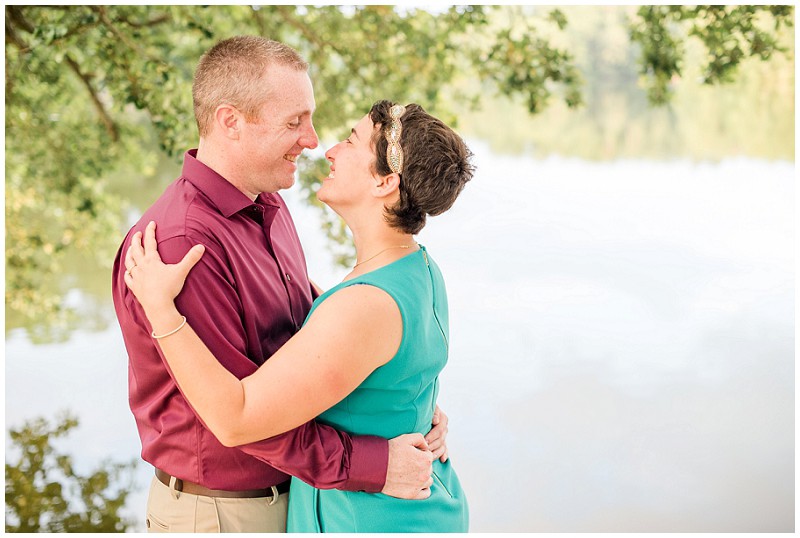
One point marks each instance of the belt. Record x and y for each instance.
(197, 489)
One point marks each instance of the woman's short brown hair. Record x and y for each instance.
(232, 72)
(436, 165)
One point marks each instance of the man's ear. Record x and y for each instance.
(387, 185)
(228, 120)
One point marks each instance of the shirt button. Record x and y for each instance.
(288, 278)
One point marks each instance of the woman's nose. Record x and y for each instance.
(331, 153)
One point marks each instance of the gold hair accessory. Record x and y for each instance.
(394, 153)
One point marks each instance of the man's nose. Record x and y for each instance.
(309, 139)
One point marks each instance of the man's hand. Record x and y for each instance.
(410, 467)
(436, 438)
(319, 291)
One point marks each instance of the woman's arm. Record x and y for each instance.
(350, 334)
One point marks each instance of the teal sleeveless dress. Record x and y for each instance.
(397, 398)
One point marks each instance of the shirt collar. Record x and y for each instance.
(228, 199)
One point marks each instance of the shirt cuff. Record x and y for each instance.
(369, 463)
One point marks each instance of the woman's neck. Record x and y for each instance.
(377, 246)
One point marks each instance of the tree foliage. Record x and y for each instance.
(752, 116)
(90, 90)
(730, 34)
(44, 493)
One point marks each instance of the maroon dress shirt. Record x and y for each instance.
(245, 298)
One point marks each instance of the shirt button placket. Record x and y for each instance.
(297, 326)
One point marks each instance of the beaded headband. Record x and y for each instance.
(394, 153)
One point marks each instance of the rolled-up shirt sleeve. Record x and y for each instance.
(326, 458)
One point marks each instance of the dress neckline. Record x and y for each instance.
(420, 249)
(381, 268)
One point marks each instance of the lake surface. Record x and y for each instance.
(622, 354)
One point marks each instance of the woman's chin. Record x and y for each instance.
(321, 196)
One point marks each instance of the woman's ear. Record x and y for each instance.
(228, 120)
(386, 185)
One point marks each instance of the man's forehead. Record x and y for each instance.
(290, 92)
(300, 110)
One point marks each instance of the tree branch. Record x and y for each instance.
(15, 14)
(164, 17)
(262, 29)
(313, 38)
(304, 30)
(14, 20)
(111, 127)
(101, 12)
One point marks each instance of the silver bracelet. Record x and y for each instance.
(173, 331)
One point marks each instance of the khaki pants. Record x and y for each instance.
(175, 511)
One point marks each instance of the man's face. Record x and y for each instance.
(271, 144)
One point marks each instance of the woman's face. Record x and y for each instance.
(352, 160)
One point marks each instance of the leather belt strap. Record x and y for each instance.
(196, 489)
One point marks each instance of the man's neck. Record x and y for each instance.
(215, 158)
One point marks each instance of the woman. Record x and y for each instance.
(368, 356)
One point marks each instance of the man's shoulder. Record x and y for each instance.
(182, 210)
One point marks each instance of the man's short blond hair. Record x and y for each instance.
(232, 72)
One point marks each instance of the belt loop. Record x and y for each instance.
(274, 498)
(175, 493)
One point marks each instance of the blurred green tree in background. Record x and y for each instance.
(44, 493)
(750, 115)
(95, 95)
(730, 34)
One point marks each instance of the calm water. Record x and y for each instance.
(622, 347)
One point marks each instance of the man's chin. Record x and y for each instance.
(284, 183)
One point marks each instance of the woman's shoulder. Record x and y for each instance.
(366, 309)
(397, 280)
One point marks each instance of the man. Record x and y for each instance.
(253, 103)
